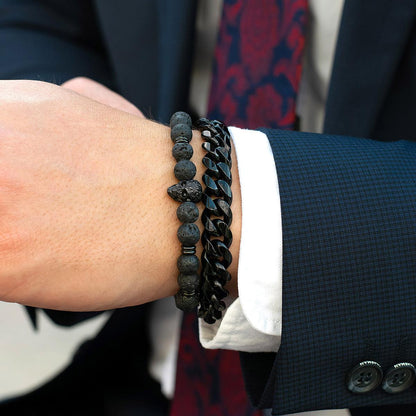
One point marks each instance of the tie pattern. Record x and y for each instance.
(208, 382)
(256, 77)
(258, 63)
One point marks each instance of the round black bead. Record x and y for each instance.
(180, 117)
(184, 170)
(188, 283)
(188, 264)
(181, 131)
(187, 212)
(188, 234)
(182, 151)
(185, 302)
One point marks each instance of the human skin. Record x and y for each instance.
(98, 92)
(85, 220)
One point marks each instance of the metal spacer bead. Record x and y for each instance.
(188, 250)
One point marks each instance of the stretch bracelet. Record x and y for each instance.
(216, 218)
(188, 192)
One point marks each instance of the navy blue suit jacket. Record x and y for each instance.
(349, 229)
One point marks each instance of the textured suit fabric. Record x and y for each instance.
(348, 285)
(348, 266)
(373, 88)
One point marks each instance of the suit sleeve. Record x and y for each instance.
(349, 288)
(53, 41)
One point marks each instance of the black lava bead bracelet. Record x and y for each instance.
(189, 192)
(207, 291)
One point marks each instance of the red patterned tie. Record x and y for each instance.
(258, 63)
(255, 81)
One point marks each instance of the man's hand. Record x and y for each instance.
(85, 220)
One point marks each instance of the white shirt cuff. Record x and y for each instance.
(253, 322)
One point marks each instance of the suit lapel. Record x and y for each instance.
(371, 41)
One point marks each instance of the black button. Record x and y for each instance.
(399, 378)
(364, 377)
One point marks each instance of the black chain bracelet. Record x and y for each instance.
(216, 219)
(188, 191)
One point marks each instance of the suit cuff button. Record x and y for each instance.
(364, 377)
(399, 378)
